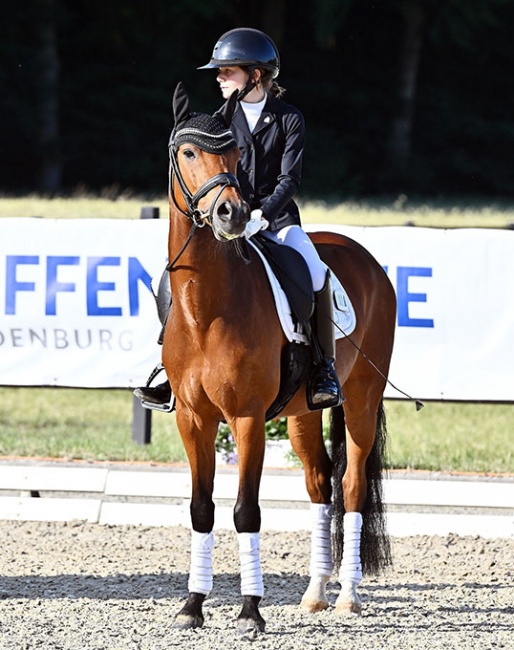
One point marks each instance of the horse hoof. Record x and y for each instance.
(249, 622)
(186, 622)
(190, 616)
(249, 628)
(313, 606)
(349, 609)
(348, 601)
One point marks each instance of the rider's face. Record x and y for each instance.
(230, 79)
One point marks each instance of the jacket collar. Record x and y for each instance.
(266, 119)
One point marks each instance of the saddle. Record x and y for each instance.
(292, 272)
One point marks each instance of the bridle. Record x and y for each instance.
(198, 217)
(221, 180)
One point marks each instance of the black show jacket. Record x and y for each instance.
(270, 168)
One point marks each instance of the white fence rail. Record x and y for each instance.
(161, 498)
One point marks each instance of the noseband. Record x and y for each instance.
(203, 141)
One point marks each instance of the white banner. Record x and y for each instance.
(455, 322)
(76, 305)
(77, 310)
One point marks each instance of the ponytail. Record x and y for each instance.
(269, 84)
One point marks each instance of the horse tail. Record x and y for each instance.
(375, 546)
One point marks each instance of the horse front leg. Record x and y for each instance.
(200, 448)
(306, 437)
(249, 436)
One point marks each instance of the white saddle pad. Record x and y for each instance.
(344, 314)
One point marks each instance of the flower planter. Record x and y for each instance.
(277, 453)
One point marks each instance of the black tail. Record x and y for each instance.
(375, 546)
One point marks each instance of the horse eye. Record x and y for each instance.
(189, 154)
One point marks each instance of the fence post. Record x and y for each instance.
(141, 417)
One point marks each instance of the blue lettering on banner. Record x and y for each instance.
(94, 286)
(137, 275)
(12, 286)
(53, 286)
(136, 272)
(404, 297)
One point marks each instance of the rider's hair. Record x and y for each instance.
(268, 83)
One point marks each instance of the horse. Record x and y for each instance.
(221, 351)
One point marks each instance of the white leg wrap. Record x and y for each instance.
(251, 573)
(321, 546)
(351, 569)
(200, 573)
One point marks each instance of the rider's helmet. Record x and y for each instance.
(245, 47)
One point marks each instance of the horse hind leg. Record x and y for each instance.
(321, 563)
(361, 542)
(306, 437)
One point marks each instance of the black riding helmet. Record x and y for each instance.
(246, 48)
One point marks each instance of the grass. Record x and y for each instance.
(399, 212)
(451, 437)
(96, 424)
(72, 424)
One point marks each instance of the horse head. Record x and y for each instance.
(203, 161)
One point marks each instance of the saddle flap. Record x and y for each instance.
(293, 275)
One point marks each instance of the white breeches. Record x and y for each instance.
(295, 237)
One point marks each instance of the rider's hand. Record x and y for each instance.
(257, 222)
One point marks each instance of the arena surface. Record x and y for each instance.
(78, 586)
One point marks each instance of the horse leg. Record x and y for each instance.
(360, 436)
(307, 441)
(199, 445)
(249, 435)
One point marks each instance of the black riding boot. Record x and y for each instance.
(324, 389)
(158, 398)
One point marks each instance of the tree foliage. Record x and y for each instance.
(430, 116)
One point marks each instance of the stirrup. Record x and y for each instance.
(165, 407)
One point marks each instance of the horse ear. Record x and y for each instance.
(181, 110)
(227, 111)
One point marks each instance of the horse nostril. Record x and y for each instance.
(225, 211)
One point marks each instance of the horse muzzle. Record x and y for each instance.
(229, 219)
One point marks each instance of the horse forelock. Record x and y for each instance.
(206, 132)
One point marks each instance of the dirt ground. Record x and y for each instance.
(81, 586)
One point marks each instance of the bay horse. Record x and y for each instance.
(221, 351)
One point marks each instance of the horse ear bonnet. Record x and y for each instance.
(208, 133)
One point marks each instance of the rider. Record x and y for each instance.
(270, 135)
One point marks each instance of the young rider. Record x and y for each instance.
(270, 135)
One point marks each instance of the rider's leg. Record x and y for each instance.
(159, 397)
(324, 390)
